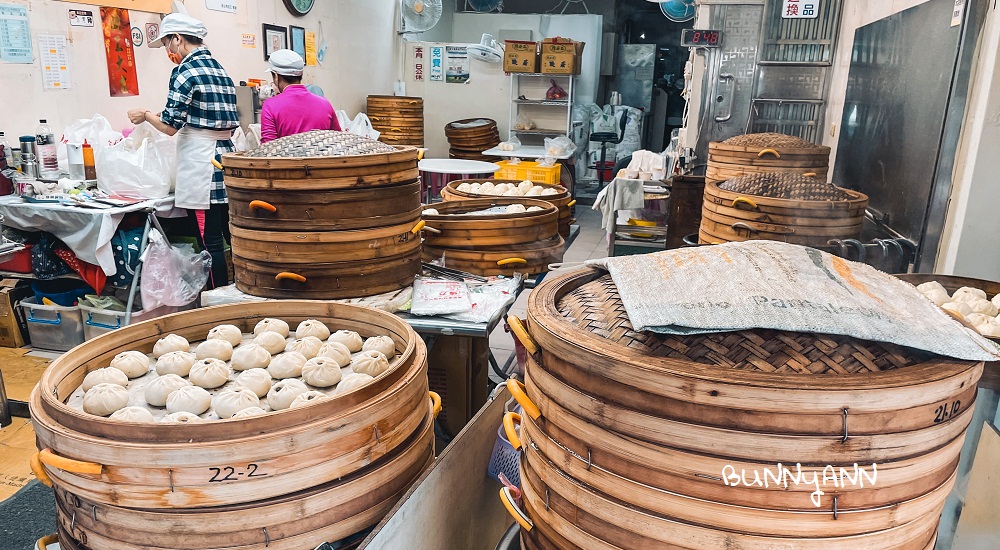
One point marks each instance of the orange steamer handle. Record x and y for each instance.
(52, 460)
(510, 421)
(517, 390)
(519, 516)
(435, 403)
(289, 276)
(263, 205)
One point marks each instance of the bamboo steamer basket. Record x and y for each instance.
(326, 281)
(767, 152)
(473, 232)
(317, 174)
(628, 435)
(399, 119)
(323, 210)
(328, 512)
(729, 216)
(729, 380)
(563, 201)
(326, 264)
(530, 258)
(172, 466)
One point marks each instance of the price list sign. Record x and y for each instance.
(800, 9)
(15, 35)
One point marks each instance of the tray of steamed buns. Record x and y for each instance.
(974, 301)
(232, 374)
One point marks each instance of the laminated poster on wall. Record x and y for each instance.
(122, 79)
(437, 64)
(458, 65)
(15, 34)
(54, 61)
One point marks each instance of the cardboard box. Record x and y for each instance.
(13, 325)
(520, 56)
(561, 56)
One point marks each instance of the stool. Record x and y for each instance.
(605, 138)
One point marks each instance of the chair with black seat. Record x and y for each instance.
(605, 138)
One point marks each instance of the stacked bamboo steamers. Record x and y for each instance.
(496, 236)
(757, 439)
(773, 187)
(399, 119)
(285, 480)
(324, 215)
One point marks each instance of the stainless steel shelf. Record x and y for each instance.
(546, 102)
(542, 132)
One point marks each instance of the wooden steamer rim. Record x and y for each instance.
(620, 458)
(330, 511)
(66, 373)
(715, 386)
(321, 173)
(748, 520)
(492, 229)
(310, 247)
(569, 510)
(484, 260)
(844, 208)
(755, 151)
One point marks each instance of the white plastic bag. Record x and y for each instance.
(362, 126)
(143, 165)
(343, 119)
(559, 146)
(171, 276)
(96, 131)
(239, 140)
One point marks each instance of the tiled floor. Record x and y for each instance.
(589, 244)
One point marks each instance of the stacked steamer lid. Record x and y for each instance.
(289, 479)
(400, 119)
(324, 215)
(780, 206)
(766, 152)
(556, 195)
(495, 236)
(469, 137)
(756, 439)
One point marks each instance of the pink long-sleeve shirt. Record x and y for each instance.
(293, 111)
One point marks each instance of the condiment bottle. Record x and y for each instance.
(45, 144)
(89, 168)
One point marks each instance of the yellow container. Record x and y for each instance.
(528, 170)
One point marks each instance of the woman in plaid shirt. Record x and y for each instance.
(201, 110)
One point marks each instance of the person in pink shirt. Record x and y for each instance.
(295, 109)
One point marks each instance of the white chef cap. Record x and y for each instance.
(179, 23)
(286, 63)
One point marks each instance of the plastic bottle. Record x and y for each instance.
(45, 141)
(89, 168)
(6, 161)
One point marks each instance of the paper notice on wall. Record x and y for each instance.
(81, 18)
(122, 78)
(957, 13)
(54, 60)
(310, 49)
(15, 34)
(458, 64)
(437, 64)
(419, 63)
(249, 40)
(227, 6)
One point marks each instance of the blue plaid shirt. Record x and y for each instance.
(202, 95)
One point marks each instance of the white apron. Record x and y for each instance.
(195, 152)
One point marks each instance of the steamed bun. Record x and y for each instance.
(169, 343)
(321, 372)
(106, 375)
(233, 400)
(271, 325)
(104, 399)
(250, 356)
(307, 346)
(371, 362)
(307, 398)
(133, 363)
(282, 394)
(273, 342)
(159, 390)
(258, 380)
(349, 338)
(214, 349)
(383, 344)
(175, 362)
(229, 333)
(210, 373)
(189, 399)
(287, 365)
(312, 327)
(132, 414)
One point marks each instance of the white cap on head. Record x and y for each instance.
(286, 63)
(179, 23)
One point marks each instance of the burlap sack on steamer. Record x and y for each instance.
(767, 284)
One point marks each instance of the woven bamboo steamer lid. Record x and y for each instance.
(877, 379)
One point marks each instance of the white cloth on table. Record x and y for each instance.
(620, 194)
(86, 231)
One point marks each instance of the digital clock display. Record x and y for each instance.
(701, 38)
